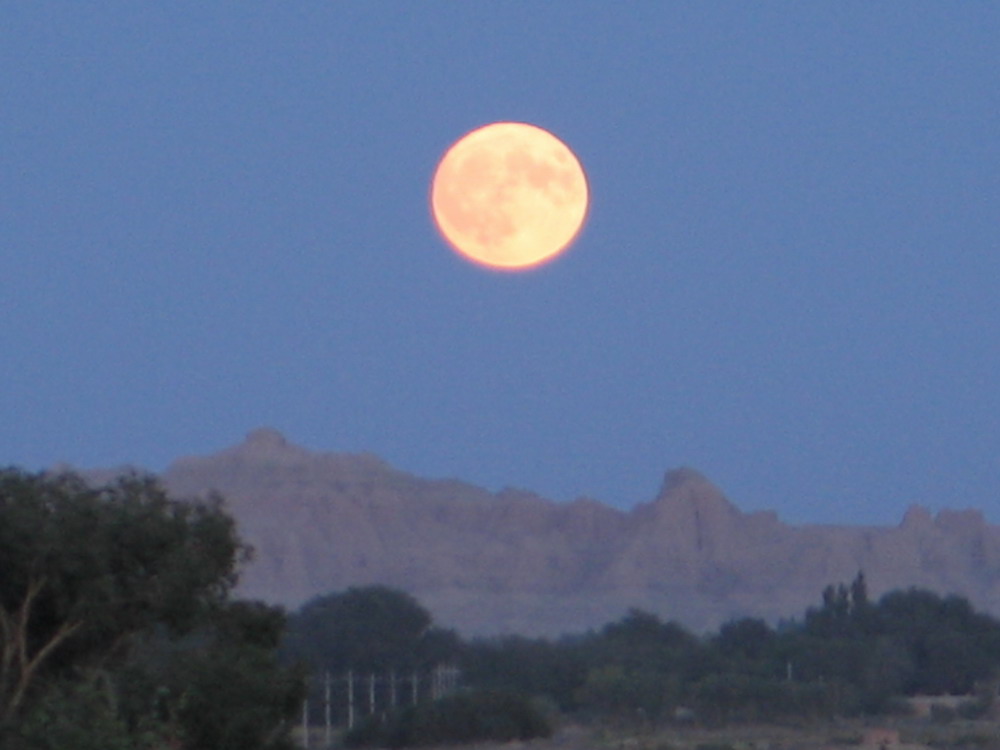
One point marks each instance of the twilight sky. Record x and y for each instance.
(214, 216)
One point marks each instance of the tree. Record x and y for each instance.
(229, 692)
(103, 591)
(637, 665)
(747, 638)
(641, 640)
(372, 629)
(529, 666)
(949, 644)
(84, 569)
(859, 592)
(77, 716)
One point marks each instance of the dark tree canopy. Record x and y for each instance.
(84, 568)
(849, 655)
(747, 638)
(95, 580)
(372, 628)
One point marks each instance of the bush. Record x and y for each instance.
(464, 717)
(973, 709)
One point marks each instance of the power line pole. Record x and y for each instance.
(350, 699)
(305, 722)
(326, 709)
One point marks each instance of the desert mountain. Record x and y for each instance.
(512, 561)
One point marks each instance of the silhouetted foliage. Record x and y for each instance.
(848, 656)
(528, 666)
(104, 593)
(368, 629)
(223, 688)
(748, 640)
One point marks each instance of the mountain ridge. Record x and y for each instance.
(514, 562)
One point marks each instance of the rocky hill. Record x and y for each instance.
(515, 562)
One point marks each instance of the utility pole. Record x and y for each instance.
(305, 722)
(350, 699)
(326, 709)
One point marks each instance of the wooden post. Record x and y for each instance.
(350, 699)
(305, 722)
(328, 735)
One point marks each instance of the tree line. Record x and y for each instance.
(847, 655)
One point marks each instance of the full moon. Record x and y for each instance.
(509, 196)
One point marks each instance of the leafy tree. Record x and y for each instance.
(85, 569)
(115, 612)
(748, 639)
(79, 716)
(638, 666)
(641, 640)
(950, 646)
(230, 692)
(529, 666)
(859, 592)
(373, 628)
(219, 688)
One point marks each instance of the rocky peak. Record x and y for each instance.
(266, 438)
(237, 470)
(265, 445)
(685, 491)
(690, 515)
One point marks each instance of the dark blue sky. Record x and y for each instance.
(213, 216)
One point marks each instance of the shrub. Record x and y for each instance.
(972, 709)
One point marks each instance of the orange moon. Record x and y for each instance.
(509, 196)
